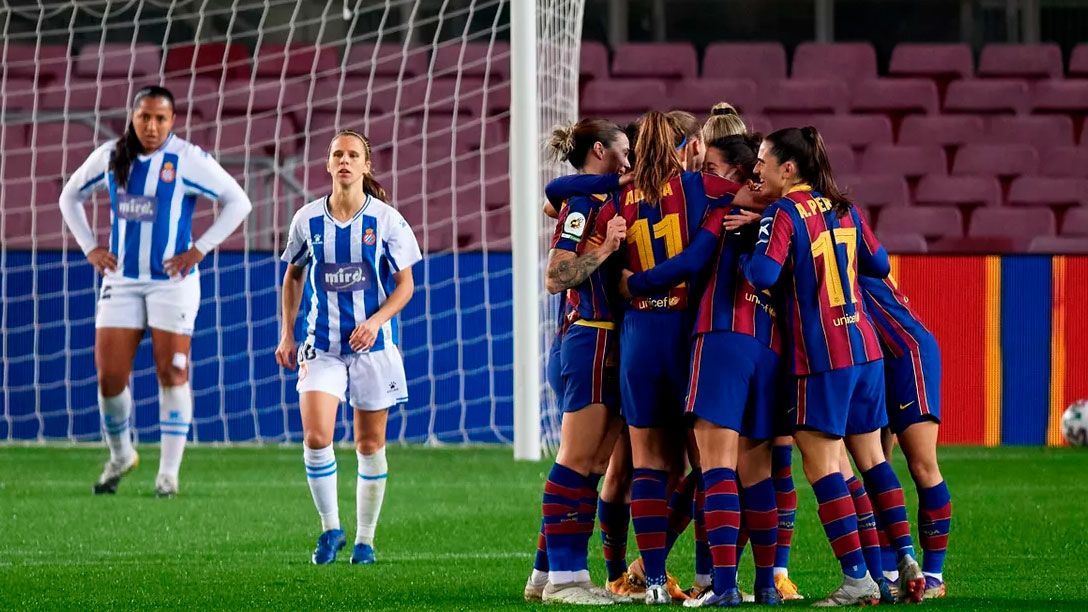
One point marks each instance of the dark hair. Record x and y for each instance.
(632, 136)
(741, 151)
(805, 147)
(128, 145)
(574, 141)
(656, 157)
(370, 184)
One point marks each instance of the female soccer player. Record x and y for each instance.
(150, 277)
(724, 121)
(836, 353)
(359, 253)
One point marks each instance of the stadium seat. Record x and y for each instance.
(473, 59)
(1059, 245)
(1075, 222)
(805, 96)
(1064, 161)
(207, 59)
(978, 245)
(908, 243)
(987, 96)
(904, 160)
(1060, 95)
(1078, 61)
(61, 148)
(47, 63)
(850, 61)
(759, 61)
(655, 60)
(941, 130)
(928, 222)
(999, 160)
(116, 60)
(86, 94)
(201, 93)
(944, 190)
(1028, 61)
(258, 135)
(842, 158)
(593, 60)
(390, 59)
(264, 94)
(758, 123)
(1048, 191)
(300, 60)
(895, 96)
(875, 190)
(699, 95)
(608, 97)
(1015, 223)
(18, 94)
(936, 61)
(1039, 131)
(853, 130)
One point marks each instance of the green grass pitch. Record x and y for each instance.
(457, 532)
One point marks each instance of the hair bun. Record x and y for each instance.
(721, 109)
(809, 133)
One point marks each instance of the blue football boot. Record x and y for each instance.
(362, 554)
(328, 544)
(730, 599)
(768, 597)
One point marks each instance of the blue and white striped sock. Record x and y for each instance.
(116, 411)
(175, 415)
(369, 493)
(321, 476)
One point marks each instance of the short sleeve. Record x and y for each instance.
(297, 251)
(401, 248)
(571, 228)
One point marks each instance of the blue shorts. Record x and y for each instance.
(913, 387)
(555, 367)
(842, 402)
(589, 369)
(735, 383)
(654, 350)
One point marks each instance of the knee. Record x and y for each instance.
(317, 439)
(111, 385)
(369, 446)
(925, 471)
(172, 371)
(577, 460)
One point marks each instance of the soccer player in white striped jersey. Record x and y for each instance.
(150, 273)
(357, 253)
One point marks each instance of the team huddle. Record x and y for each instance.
(724, 300)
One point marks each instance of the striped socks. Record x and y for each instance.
(704, 562)
(116, 412)
(887, 497)
(680, 508)
(175, 415)
(786, 500)
(934, 523)
(565, 530)
(722, 512)
(650, 519)
(613, 517)
(369, 494)
(761, 516)
(321, 476)
(840, 523)
(867, 530)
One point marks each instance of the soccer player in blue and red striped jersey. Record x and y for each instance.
(912, 373)
(815, 240)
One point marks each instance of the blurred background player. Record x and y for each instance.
(359, 253)
(150, 278)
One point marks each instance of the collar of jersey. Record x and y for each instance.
(328, 213)
(800, 187)
(145, 157)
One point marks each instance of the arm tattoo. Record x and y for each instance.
(571, 272)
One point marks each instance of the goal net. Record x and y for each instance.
(263, 86)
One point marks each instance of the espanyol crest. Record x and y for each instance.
(369, 237)
(166, 175)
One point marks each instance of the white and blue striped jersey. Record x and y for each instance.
(351, 267)
(151, 217)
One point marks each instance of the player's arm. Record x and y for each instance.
(297, 256)
(872, 257)
(90, 177)
(685, 264)
(763, 267)
(402, 252)
(566, 268)
(566, 187)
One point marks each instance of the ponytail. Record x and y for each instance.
(656, 157)
(723, 121)
(371, 186)
(805, 147)
(128, 145)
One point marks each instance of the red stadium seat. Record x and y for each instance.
(928, 222)
(1076, 222)
(47, 63)
(998, 160)
(257, 135)
(908, 243)
(851, 62)
(264, 94)
(1060, 95)
(1029, 61)
(655, 60)
(61, 148)
(390, 59)
(938, 61)
(274, 60)
(201, 93)
(608, 97)
(593, 60)
(18, 94)
(941, 130)
(1059, 245)
(1048, 191)
(1064, 161)
(805, 96)
(1078, 61)
(875, 189)
(978, 245)
(90, 94)
(479, 58)
(115, 60)
(1017, 224)
(758, 123)
(943, 190)
(699, 95)
(853, 130)
(987, 96)
(760, 61)
(208, 60)
(843, 160)
(904, 160)
(895, 96)
(1040, 131)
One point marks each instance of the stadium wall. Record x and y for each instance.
(1013, 332)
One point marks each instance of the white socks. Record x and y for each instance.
(369, 493)
(116, 412)
(321, 475)
(175, 415)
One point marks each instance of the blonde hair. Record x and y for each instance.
(656, 157)
(723, 121)
(370, 184)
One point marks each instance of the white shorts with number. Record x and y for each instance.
(169, 305)
(373, 381)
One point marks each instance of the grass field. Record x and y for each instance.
(457, 532)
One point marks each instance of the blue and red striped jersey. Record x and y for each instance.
(597, 298)
(825, 318)
(901, 332)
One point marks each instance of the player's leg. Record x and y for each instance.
(786, 500)
(654, 450)
(919, 443)
(760, 512)
(868, 531)
(614, 512)
(718, 455)
(534, 586)
(372, 476)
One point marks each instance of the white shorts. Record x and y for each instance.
(373, 381)
(169, 305)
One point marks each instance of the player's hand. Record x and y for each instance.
(550, 211)
(627, 178)
(182, 264)
(625, 290)
(744, 217)
(365, 335)
(615, 234)
(102, 260)
(287, 353)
